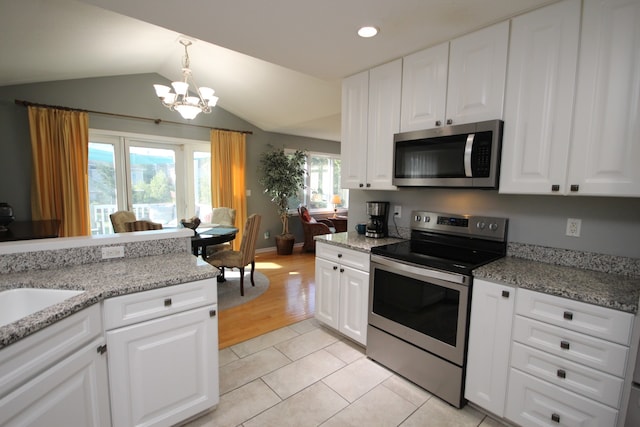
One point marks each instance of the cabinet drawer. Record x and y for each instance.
(533, 402)
(348, 257)
(593, 352)
(141, 306)
(601, 322)
(588, 382)
(31, 355)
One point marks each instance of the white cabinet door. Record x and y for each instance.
(492, 307)
(477, 70)
(354, 302)
(165, 370)
(383, 123)
(424, 88)
(327, 292)
(543, 54)
(72, 393)
(355, 104)
(606, 137)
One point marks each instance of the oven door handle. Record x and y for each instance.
(468, 151)
(423, 272)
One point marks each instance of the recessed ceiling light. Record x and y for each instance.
(367, 32)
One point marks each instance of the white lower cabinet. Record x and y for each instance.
(492, 308)
(163, 367)
(342, 290)
(72, 393)
(568, 362)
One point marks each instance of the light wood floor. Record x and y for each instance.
(289, 299)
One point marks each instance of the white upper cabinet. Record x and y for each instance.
(370, 118)
(543, 56)
(457, 82)
(424, 88)
(477, 71)
(574, 129)
(606, 137)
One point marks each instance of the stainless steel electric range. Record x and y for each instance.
(420, 298)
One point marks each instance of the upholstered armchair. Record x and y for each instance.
(312, 228)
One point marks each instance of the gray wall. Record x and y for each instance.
(131, 95)
(609, 225)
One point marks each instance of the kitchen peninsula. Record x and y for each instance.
(153, 305)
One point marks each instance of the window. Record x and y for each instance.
(322, 184)
(161, 179)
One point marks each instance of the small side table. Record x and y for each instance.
(340, 223)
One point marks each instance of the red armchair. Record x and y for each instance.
(313, 227)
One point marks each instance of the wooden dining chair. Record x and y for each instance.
(142, 225)
(119, 218)
(225, 217)
(241, 258)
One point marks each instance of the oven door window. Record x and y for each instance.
(425, 307)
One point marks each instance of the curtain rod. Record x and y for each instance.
(126, 116)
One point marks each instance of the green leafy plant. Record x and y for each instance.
(283, 177)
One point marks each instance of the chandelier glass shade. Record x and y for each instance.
(180, 100)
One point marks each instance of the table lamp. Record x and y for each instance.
(335, 200)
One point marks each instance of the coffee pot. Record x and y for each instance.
(377, 226)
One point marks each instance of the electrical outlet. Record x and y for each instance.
(573, 227)
(267, 234)
(112, 252)
(397, 211)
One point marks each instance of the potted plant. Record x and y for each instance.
(283, 177)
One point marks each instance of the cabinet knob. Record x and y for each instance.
(368, 185)
(575, 188)
(555, 188)
(342, 270)
(568, 315)
(438, 122)
(339, 255)
(505, 294)
(555, 418)
(561, 373)
(335, 267)
(361, 185)
(449, 121)
(212, 313)
(102, 349)
(564, 345)
(167, 302)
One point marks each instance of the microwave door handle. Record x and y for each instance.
(468, 150)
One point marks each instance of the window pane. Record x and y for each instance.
(102, 187)
(202, 184)
(153, 184)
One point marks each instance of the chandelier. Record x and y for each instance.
(188, 106)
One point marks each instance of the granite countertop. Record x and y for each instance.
(595, 287)
(353, 240)
(99, 281)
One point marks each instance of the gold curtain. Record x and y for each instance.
(228, 188)
(59, 177)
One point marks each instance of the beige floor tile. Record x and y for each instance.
(408, 390)
(490, 422)
(305, 326)
(310, 407)
(261, 342)
(305, 344)
(300, 374)
(379, 407)
(357, 378)
(226, 356)
(346, 351)
(238, 406)
(243, 371)
(436, 412)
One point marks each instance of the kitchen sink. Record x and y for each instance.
(18, 303)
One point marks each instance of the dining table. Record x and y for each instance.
(210, 236)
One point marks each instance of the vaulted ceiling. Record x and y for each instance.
(276, 64)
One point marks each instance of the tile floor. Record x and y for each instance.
(307, 375)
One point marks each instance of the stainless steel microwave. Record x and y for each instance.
(463, 156)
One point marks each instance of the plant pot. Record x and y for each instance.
(284, 244)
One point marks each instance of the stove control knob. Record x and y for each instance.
(427, 219)
(493, 226)
(481, 225)
(418, 218)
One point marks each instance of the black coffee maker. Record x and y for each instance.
(377, 226)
